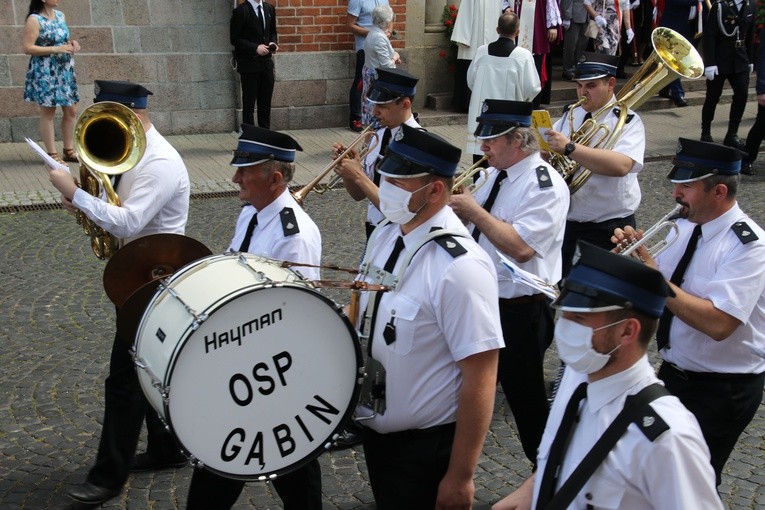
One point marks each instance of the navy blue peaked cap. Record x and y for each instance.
(414, 152)
(697, 160)
(391, 84)
(596, 65)
(258, 144)
(601, 280)
(499, 116)
(130, 94)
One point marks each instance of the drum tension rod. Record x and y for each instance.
(198, 319)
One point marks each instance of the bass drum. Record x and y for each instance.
(253, 370)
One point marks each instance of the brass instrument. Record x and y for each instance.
(466, 180)
(110, 140)
(369, 140)
(673, 57)
(663, 228)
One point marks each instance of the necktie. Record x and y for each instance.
(587, 116)
(389, 265)
(248, 234)
(558, 447)
(662, 334)
(259, 14)
(381, 154)
(501, 176)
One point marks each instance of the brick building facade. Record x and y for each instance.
(180, 50)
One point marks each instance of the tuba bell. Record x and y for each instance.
(110, 140)
(673, 57)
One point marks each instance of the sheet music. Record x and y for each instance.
(524, 277)
(45, 156)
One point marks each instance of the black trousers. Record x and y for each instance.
(257, 86)
(354, 95)
(461, 97)
(598, 234)
(739, 82)
(405, 468)
(528, 331)
(756, 134)
(724, 404)
(299, 489)
(124, 412)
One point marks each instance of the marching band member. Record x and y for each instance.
(523, 215)
(271, 224)
(712, 333)
(392, 94)
(154, 198)
(611, 196)
(436, 336)
(657, 458)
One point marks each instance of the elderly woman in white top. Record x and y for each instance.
(378, 52)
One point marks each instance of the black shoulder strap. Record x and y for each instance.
(634, 410)
(289, 222)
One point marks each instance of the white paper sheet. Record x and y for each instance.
(45, 156)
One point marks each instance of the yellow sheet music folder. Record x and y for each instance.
(540, 121)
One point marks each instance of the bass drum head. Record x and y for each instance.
(265, 383)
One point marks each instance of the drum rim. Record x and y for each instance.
(324, 444)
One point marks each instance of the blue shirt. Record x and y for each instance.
(362, 9)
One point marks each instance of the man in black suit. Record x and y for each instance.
(253, 35)
(728, 41)
(680, 16)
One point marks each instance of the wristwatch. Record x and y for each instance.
(570, 147)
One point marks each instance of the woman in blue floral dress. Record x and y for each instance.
(50, 78)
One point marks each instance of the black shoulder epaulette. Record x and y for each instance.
(451, 245)
(630, 116)
(651, 424)
(289, 223)
(743, 232)
(543, 177)
(568, 106)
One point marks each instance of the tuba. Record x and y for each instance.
(673, 57)
(110, 140)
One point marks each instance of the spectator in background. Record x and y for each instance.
(359, 22)
(757, 131)
(378, 52)
(50, 80)
(253, 35)
(473, 28)
(728, 43)
(538, 38)
(500, 70)
(608, 15)
(678, 15)
(574, 20)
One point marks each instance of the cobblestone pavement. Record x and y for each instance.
(56, 327)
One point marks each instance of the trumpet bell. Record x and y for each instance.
(110, 138)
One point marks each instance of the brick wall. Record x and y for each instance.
(320, 25)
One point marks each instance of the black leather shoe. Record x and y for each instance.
(680, 101)
(747, 168)
(735, 142)
(706, 137)
(148, 462)
(665, 94)
(92, 494)
(347, 439)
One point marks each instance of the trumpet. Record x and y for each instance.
(465, 181)
(664, 227)
(369, 140)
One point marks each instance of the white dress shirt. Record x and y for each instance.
(602, 197)
(673, 471)
(537, 214)
(444, 310)
(732, 275)
(154, 195)
(268, 239)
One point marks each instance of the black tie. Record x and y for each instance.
(388, 267)
(587, 116)
(259, 14)
(501, 176)
(248, 235)
(558, 447)
(381, 154)
(662, 334)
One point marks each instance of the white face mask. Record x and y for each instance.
(575, 349)
(394, 202)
